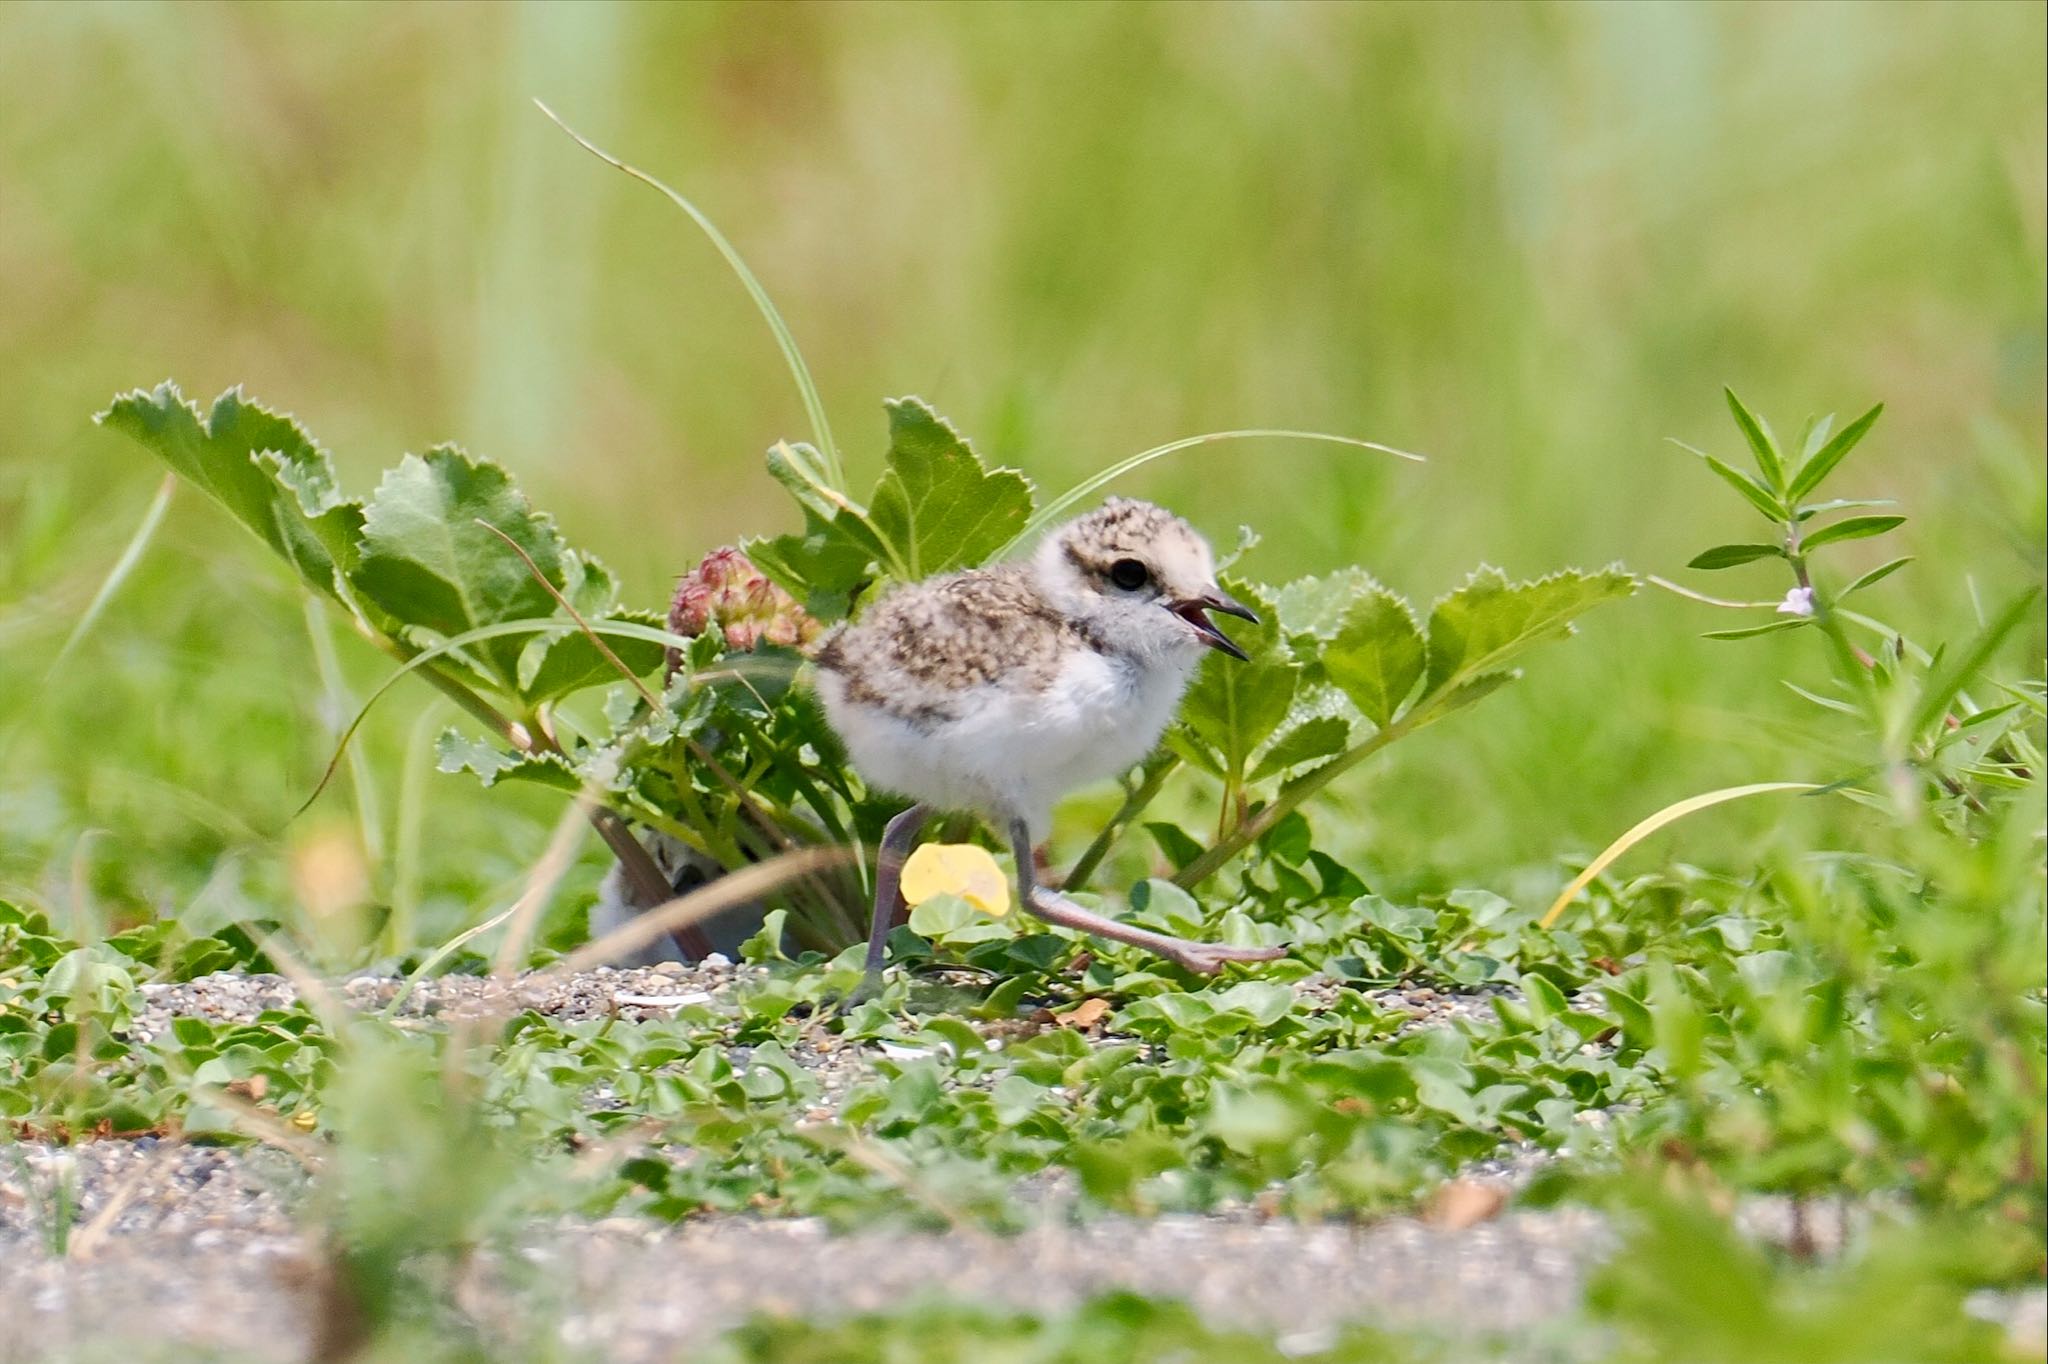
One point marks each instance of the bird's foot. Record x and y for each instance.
(1207, 958)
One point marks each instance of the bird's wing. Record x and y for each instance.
(926, 644)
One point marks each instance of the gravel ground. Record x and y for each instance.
(181, 1248)
(177, 1249)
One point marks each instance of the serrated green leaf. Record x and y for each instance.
(1752, 631)
(1377, 654)
(1323, 736)
(822, 566)
(1876, 575)
(1489, 620)
(258, 464)
(1314, 607)
(455, 751)
(1194, 751)
(1768, 460)
(1728, 556)
(1475, 689)
(1852, 528)
(428, 563)
(1828, 456)
(937, 507)
(1235, 704)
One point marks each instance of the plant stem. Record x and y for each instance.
(648, 886)
(1295, 792)
(1133, 806)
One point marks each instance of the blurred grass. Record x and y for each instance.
(1530, 241)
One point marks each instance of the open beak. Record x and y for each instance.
(1194, 610)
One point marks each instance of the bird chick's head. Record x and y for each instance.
(1141, 576)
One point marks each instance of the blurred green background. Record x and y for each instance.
(1531, 241)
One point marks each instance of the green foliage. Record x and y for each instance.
(1925, 737)
(1376, 655)
(445, 548)
(261, 467)
(1118, 1326)
(936, 507)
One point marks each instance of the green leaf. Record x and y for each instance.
(1315, 607)
(1377, 653)
(428, 562)
(1178, 845)
(1876, 575)
(937, 507)
(1843, 504)
(1824, 702)
(1234, 704)
(1959, 671)
(1752, 491)
(258, 464)
(822, 566)
(1475, 689)
(1824, 461)
(1489, 620)
(456, 752)
(1853, 528)
(1815, 435)
(1760, 443)
(1751, 631)
(565, 659)
(1728, 556)
(1323, 736)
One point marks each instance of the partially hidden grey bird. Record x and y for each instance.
(997, 690)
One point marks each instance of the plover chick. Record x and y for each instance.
(998, 690)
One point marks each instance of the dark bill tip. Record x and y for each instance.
(1195, 612)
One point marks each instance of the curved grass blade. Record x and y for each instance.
(1668, 815)
(531, 626)
(118, 574)
(1058, 507)
(1956, 672)
(821, 430)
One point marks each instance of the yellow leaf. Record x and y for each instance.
(961, 869)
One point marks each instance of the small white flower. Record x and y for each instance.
(1798, 602)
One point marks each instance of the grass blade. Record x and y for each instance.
(118, 574)
(1670, 814)
(533, 625)
(1053, 510)
(1955, 674)
(821, 430)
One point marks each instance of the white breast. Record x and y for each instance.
(1013, 752)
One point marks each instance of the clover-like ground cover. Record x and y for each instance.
(282, 1101)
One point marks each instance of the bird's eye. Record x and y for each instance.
(1129, 574)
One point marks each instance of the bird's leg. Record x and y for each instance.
(1200, 957)
(895, 849)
